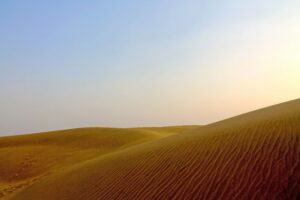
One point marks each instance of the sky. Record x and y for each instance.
(70, 63)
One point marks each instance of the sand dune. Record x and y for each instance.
(26, 159)
(251, 156)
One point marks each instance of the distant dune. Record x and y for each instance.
(251, 156)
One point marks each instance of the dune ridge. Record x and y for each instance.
(251, 156)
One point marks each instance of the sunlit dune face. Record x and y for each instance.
(251, 156)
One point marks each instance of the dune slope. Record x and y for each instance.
(251, 156)
(26, 159)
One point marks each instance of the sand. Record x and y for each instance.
(251, 156)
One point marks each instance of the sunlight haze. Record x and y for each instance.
(66, 64)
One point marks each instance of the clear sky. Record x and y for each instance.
(71, 63)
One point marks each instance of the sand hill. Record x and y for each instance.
(251, 156)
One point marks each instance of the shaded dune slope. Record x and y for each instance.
(252, 156)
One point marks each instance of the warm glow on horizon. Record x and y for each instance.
(126, 64)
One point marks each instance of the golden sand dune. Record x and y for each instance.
(28, 158)
(251, 156)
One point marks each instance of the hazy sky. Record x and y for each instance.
(71, 63)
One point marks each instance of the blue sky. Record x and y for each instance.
(67, 64)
